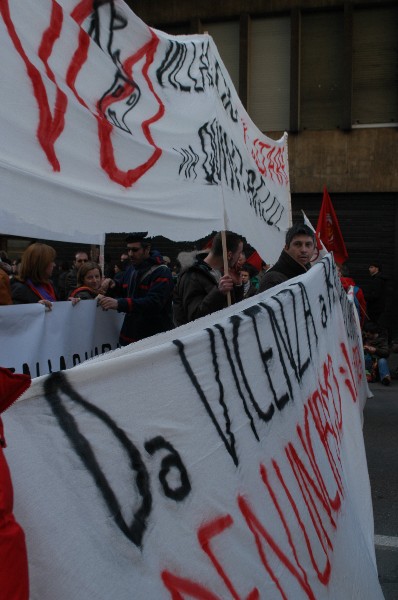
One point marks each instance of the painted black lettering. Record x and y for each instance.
(263, 415)
(266, 357)
(228, 437)
(171, 461)
(134, 531)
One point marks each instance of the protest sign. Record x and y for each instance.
(38, 342)
(111, 123)
(224, 459)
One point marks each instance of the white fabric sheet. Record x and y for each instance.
(222, 459)
(111, 126)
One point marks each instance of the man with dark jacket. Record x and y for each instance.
(203, 288)
(146, 292)
(294, 259)
(376, 294)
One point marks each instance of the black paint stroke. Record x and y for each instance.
(53, 387)
(172, 460)
(234, 374)
(222, 161)
(230, 441)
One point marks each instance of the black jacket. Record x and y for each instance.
(285, 268)
(196, 294)
(376, 297)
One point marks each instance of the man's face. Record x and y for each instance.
(245, 276)
(373, 270)
(80, 258)
(233, 257)
(301, 249)
(137, 253)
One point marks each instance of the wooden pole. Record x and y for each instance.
(225, 260)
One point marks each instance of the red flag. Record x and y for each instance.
(255, 260)
(328, 230)
(11, 387)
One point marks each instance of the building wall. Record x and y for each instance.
(363, 160)
(346, 158)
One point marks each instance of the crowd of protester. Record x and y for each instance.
(156, 295)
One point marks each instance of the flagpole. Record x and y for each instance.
(225, 258)
(223, 236)
(290, 216)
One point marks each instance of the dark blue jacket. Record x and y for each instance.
(147, 300)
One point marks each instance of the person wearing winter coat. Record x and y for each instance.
(294, 259)
(376, 349)
(376, 294)
(145, 292)
(33, 283)
(203, 287)
(359, 299)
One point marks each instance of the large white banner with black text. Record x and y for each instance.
(108, 125)
(224, 459)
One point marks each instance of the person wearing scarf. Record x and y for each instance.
(90, 282)
(33, 283)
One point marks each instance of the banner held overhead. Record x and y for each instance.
(110, 123)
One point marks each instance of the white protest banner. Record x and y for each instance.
(224, 459)
(39, 342)
(110, 123)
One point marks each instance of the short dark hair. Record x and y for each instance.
(250, 269)
(376, 264)
(371, 327)
(296, 230)
(139, 236)
(232, 239)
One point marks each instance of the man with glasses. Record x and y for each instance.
(81, 257)
(145, 292)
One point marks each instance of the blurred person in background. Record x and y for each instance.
(33, 283)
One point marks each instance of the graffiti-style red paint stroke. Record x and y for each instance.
(264, 477)
(327, 434)
(105, 128)
(270, 161)
(205, 534)
(349, 381)
(49, 127)
(260, 532)
(178, 586)
(314, 495)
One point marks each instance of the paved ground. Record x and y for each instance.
(381, 443)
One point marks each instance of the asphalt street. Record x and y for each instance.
(381, 444)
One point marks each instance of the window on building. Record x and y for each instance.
(269, 73)
(375, 66)
(226, 38)
(322, 70)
